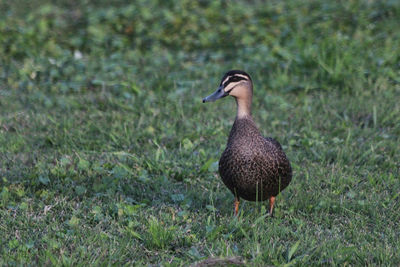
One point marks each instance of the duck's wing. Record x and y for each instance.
(274, 142)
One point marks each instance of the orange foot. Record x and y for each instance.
(236, 206)
(271, 205)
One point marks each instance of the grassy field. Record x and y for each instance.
(108, 156)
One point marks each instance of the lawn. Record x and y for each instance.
(109, 157)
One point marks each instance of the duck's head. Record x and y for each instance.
(236, 83)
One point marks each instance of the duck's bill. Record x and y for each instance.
(220, 93)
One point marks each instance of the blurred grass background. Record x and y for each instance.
(108, 156)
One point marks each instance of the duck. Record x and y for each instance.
(253, 167)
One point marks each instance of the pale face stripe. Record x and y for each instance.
(231, 85)
(241, 75)
(226, 79)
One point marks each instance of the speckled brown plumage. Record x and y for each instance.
(252, 167)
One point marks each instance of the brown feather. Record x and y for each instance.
(253, 167)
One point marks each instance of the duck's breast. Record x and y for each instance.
(255, 166)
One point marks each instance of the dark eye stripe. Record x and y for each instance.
(233, 79)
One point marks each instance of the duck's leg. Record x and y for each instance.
(237, 201)
(271, 204)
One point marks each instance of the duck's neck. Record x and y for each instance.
(243, 128)
(243, 107)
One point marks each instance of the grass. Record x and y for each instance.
(108, 156)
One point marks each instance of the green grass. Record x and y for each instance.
(108, 156)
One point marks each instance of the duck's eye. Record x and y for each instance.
(231, 80)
